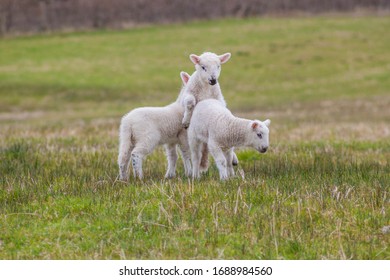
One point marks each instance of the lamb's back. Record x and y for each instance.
(166, 121)
(210, 115)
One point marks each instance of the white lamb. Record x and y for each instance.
(143, 129)
(203, 83)
(214, 124)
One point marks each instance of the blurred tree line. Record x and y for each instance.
(25, 16)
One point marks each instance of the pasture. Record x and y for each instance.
(322, 191)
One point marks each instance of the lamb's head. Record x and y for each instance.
(208, 65)
(259, 135)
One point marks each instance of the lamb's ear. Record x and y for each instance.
(254, 125)
(184, 77)
(195, 59)
(224, 57)
(267, 122)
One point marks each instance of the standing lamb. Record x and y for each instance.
(143, 129)
(214, 124)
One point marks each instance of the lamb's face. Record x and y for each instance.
(209, 71)
(260, 135)
(208, 65)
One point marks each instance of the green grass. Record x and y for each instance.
(321, 192)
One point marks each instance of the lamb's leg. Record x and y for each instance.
(186, 157)
(204, 162)
(123, 162)
(185, 153)
(171, 153)
(220, 160)
(196, 153)
(138, 154)
(189, 104)
(229, 155)
(136, 158)
(125, 149)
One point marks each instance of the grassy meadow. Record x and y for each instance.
(322, 191)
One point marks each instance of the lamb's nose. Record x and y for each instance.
(264, 149)
(212, 81)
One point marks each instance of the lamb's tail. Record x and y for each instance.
(125, 148)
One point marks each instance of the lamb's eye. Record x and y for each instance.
(204, 68)
(260, 135)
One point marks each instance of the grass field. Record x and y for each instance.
(321, 192)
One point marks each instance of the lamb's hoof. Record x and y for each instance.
(224, 177)
(235, 159)
(169, 176)
(204, 169)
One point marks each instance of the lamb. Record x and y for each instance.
(203, 83)
(143, 129)
(214, 124)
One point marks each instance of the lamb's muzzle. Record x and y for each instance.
(263, 150)
(212, 81)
